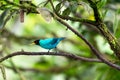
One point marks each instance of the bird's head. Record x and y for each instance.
(36, 42)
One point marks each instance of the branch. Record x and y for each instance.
(103, 29)
(30, 8)
(77, 19)
(114, 44)
(73, 30)
(72, 18)
(96, 12)
(16, 69)
(53, 69)
(98, 54)
(108, 37)
(71, 56)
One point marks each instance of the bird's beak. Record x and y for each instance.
(32, 43)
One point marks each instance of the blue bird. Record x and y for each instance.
(49, 43)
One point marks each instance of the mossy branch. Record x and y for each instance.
(104, 30)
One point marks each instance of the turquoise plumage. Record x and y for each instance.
(49, 43)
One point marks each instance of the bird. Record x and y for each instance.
(49, 43)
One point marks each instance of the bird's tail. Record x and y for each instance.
(62, 38)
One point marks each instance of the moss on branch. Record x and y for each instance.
(104, 30)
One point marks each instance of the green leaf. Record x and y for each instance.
(115, 25)
(2, 18)
(16, 1)
(101, 3)
(66, 12)
(58, 7)
(73, 6)
(110, 73)
(104, 14)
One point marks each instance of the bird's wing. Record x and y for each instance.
(54, 41)
(48, 41)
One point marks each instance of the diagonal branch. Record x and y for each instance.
(98, 54)
(114, 44)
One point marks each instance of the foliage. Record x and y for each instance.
(91, 31)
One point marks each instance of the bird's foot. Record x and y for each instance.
(48, 51)
(56, 51)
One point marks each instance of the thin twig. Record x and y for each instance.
(53, 69)
(16, 69)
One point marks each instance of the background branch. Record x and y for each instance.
(53, 69)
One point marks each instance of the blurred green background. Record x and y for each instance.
(18, 36)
